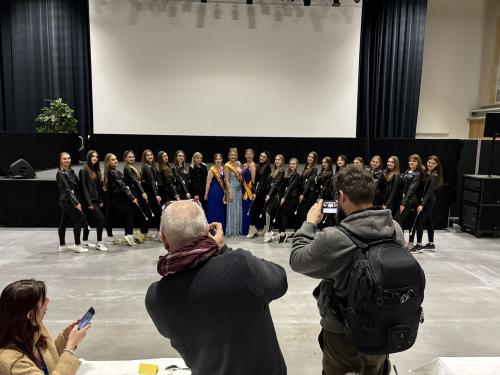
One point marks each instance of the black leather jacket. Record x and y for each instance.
(150, 179)
(133, 181)
(276, 183)
(167, 186)
(117, 185)
(198, 179)
(392, 190)
(291, 186)
(324, 186)
(182, 182)
(262, 180)
(92, 189)
(308, 182)
(68, 185)
(430, 183)
(410, 181)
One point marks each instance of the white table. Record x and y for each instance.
(460, 366)
(131, 367)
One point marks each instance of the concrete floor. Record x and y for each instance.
(462, 302)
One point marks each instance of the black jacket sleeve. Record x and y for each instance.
(277, 183)
(308, 185)
(430, 188)
(412, 189)
(263, 181)
(293, 186)
(168, 182)
(64, 185)
(149, 179)
(120, 183)
(181, 182)
(326, 191)
(85, 180)
(135, 183)
(395, 184)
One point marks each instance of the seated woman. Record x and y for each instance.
(26, 346)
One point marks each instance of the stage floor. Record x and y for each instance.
(461, 304)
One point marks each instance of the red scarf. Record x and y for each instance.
(188, 256)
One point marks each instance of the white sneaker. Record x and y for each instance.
(101, 247)
(112, 241)
(79, 249)
(87, 244)
(268, 236)
(64, 248)
(129, 239)
(252, 231)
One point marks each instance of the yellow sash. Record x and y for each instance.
(230, 166)
(219, 180)
(248, 190)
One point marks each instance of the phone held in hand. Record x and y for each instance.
(329, 207)
(85, 320)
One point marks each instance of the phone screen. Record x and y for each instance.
(329, 207)
(86, 318)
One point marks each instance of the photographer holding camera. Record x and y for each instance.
(213, 302)
(329, 255)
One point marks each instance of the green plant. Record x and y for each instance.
(57, 117)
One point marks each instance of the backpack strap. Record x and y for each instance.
(362, 244)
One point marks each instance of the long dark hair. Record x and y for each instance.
(19, 299)
(438, 171)
(93, 170)
(261, 167)
(309, 167)
(328, 169)
(162, 165)
(144, 162)
(417, 157)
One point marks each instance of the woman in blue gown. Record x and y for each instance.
(248, 189)
(232, 176)
(214, 192)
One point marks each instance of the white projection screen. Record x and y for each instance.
(186, 68)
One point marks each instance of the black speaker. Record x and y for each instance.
(21, 168)
(492, 125)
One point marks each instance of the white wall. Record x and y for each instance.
(176, 67)
(451, 68)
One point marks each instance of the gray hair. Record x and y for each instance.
(182, 222)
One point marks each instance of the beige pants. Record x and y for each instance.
(340, 357)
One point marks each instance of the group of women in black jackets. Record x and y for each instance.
(275, 198)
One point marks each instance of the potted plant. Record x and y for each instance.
(57, 117)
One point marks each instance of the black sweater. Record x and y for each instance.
(167, 186)
(291, 186)
(151, 179)
(133, 181)
(262, 180)
(430, 184)
(392, 190)
(198, 179)
(182, 182)
(68, 185)
(217, 315)
(324, 187)
(308, 182)
(117, 186)
(276, 183)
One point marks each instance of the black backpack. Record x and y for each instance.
(383, 309)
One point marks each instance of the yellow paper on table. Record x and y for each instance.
(147, 369)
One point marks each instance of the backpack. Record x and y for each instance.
(383, 309)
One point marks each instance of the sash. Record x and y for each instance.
(230, 166)
(248, 190)
(219, 180)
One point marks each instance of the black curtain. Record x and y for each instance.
(45, 54)
(391, 53)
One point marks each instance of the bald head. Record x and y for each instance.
(182, 222)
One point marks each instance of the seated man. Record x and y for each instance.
(213, 302)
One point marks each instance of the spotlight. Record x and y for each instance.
(307, 3)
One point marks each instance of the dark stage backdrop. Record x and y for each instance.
(44, 54)
(390, 69)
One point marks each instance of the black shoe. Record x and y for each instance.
(282, 238)
(417, 249)
(430, 248)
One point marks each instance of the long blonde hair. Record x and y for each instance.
(277, 170)
(289, 171)
(60, 157)
(136, 171)
(196, 154)
(107, 161)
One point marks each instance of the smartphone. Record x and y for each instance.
(85, 320)
(329, 207)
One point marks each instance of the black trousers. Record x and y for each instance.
(257, 210)
(69, 215)
(304, 207)
(287, 213)
(95, 217)
(154, 207)
(407, 218)
(139, 219)
(425, 218)
(120, 206)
